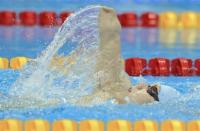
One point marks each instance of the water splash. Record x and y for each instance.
(62, 75)
(44, 83)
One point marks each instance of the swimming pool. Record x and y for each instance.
(179, 100)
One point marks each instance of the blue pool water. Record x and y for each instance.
(181, 96)
(146, 43)
(120, 5)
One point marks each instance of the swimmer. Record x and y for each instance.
(117, 83)
(112, 81)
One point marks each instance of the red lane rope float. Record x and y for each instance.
(47, 18)
(159, 66)
(135, 66)
(181, 67)
(128, 19)
(7, 18)
(64, 15)
(197, 65)
(162, 67)
(28, 18)
(149, 19)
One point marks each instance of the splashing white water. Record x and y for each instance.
(38, 80)
(54, 78)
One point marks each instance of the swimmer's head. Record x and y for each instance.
(153, 91)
